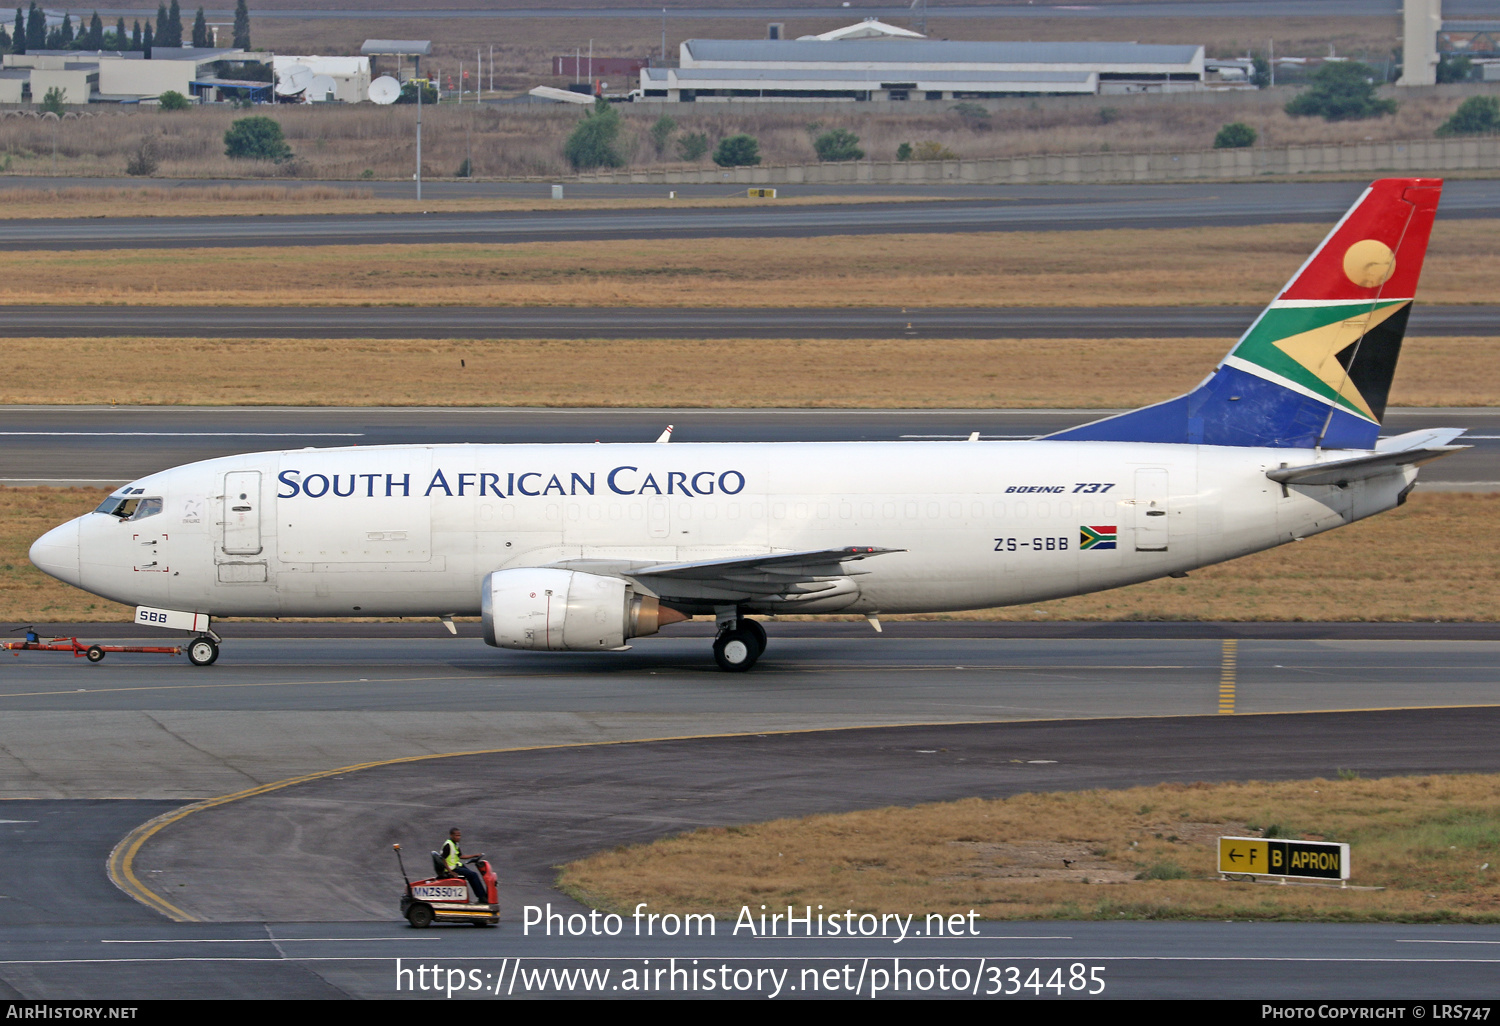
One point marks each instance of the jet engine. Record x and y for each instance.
(555, 610)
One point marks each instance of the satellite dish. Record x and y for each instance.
(384, 90)
(293, 80)
(322, 87)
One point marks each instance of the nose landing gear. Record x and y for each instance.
(203, 651)
(739, 644)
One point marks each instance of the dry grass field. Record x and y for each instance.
(1430, 569)
(350, 142)
(1161, 267)
(1142, 853)
(893, 373)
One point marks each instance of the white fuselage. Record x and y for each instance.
(413, 530)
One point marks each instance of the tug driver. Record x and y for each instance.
(453, 859)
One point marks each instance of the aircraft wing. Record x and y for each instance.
(785, 575)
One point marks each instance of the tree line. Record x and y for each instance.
(31, 33)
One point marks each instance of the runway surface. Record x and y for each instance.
(1037, 208)
(467, 322)
(299, 885)
(111, 445)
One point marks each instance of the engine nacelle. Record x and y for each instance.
(554, 610)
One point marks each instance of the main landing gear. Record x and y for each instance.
(739, 644)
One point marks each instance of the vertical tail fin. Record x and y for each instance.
(1315, 368)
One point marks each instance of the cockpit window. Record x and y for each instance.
(130, 507)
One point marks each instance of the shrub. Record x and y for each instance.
(737, 151)
(692, 146)
(1455, 68)
(143, 162)
(409, 93)
(1341, 92)
(1109, 115)
(257, 138)
(1261, 76)
(53, 102)
(972, 112)
(1163, 871)
(933, 151)
(839, 144)
(1478, 115)
(465, 169)
(1234, 136)
(173, 100)
(661, 131)
(592, 143)
(903, 152)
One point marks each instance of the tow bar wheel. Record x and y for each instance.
(419, 916)
(94, 654)
(202, 652)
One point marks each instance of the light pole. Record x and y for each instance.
(420, 90)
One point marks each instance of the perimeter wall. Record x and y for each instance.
(1419, 156)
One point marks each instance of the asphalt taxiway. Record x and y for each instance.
(286, 700)
(460, 322)
(1180, 9)
(333, 742)
(1034, 208)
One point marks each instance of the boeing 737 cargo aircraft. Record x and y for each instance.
(583, 547)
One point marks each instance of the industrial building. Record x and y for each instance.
(103, 76)
(317, 79)
(918, 69)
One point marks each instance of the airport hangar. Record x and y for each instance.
(920, 69)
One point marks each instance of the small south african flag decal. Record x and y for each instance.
(1097, 537)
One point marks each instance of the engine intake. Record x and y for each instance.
(554, 610)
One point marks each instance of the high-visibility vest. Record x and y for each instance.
(451, 855)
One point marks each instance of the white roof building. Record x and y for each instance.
(349, 76)
(912, 69)
(870, 28)
(114, 75)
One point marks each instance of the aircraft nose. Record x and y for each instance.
(56, 552)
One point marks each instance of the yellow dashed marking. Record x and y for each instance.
(1228, 668)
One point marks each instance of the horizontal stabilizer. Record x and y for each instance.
(1427, 438)
(1342, 472)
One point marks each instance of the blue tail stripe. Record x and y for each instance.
(1235, 408)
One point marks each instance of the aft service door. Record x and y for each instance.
(1152, 522)
(241, 516)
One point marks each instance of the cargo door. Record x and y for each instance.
(1152, 522)
(241, 513)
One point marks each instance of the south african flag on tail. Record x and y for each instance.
(1098, 537)
(1315, 368)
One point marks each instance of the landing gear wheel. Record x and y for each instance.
(204, 651)
(736, 650)
(419, 916)
(756, 631)
(94, 654)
